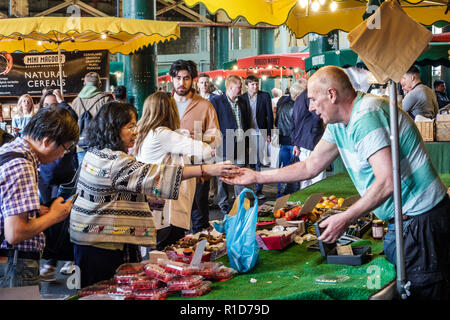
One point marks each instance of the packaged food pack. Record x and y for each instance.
(128, 271)
(183, 283)
(151, 294)
(201, 290)
(145, 283)
(176, 267)
(155, 271)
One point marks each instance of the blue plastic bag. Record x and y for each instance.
(242, 247)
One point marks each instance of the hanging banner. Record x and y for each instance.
(22, 73)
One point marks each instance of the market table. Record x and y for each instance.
(291, 273)
(439, 153)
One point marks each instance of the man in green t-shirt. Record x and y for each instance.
(358, 130)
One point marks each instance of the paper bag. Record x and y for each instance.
(389, 42)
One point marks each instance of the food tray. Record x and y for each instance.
(201, 290)
(155, 271)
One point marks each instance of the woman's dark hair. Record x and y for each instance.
(104, 129)
(55, 123)
(47, 93)
(187, 65)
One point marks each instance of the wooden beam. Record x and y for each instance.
(83, 6)
(90, 9)
(55, 8)
(180, 8)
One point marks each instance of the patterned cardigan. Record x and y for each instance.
(112, 204)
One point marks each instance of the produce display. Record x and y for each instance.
(155, 281)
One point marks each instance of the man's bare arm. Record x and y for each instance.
(380, 190)
(322, 156)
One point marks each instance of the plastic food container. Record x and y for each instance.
(201, 290)
(155, 271)
(208, 269)
(224, 273)
(94, 289)
(184, 283)
(178, 268)
(151, 294)
(124, 292)
(144, 283)
(128, 271)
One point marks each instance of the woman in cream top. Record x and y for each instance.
(159, 141)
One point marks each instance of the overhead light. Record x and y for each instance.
(321, 2)
(296, 70)
(219, 79)
(39, 43)
(315, 6)
(333, 6)
(235, 67)
(255, 71)
(303, 3)
(264, 77)
(103, 35)
(269, 66)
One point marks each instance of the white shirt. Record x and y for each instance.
(156, 148)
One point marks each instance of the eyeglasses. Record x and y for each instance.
(68, 150)
(132, 128)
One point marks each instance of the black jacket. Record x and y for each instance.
(226, 117)
(307, 127)
(264, 113)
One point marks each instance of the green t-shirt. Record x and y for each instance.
(367, 132)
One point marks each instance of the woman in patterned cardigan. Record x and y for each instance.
(111, 217)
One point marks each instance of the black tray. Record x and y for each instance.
(361, 255)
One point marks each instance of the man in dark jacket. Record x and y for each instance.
(261, 121)
(441, 95)
(234, 118)
(307, 129)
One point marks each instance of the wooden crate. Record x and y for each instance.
(426, 129)
(443, 127)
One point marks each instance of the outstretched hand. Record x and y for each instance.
(244, 177)
(226, 168)
(335, 226)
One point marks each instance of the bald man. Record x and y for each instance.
(358, 130)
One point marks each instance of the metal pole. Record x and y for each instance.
(60, 71)
(395, 150)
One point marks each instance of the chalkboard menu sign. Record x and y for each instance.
(22, 73)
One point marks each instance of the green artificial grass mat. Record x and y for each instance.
(291, 273)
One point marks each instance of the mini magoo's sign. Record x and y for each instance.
(22, 73)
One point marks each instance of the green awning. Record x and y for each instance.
(163, 72)
(229, 64)
(341, 58)
(437, 55)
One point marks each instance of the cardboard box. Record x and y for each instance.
(279, 242)
(443, 127)
(426, 129)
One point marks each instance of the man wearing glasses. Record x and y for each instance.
(47, 137)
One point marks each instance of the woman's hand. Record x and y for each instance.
(245, 177)
(221, 169)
